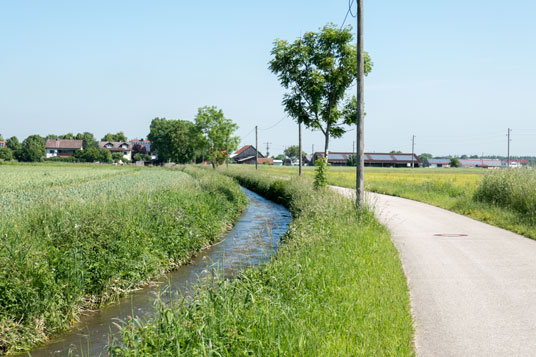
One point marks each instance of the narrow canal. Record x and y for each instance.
(252, 241)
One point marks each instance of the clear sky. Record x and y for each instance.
(454, 73)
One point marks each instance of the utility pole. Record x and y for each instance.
(360, 165)
(508, 151)
(300, 148)
(412, 151)
(227, 153)
(267, 148)
(256, 149)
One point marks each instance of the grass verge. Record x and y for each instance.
(335, 287)
(61, 255)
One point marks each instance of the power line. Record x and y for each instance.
(350, 4)
(273, 126)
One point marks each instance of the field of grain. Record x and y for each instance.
(76, 237)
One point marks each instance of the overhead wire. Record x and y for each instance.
(350, 4)
(273, 126)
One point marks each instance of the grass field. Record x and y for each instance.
(334, 288)
(452, 189)
(74, 237)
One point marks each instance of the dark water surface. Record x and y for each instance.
(252, 241)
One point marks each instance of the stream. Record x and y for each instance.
(254, 238)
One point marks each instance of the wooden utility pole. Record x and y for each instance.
(227, 153)
(412, 151)
(360, 166)
(508, 150)
(256, 149)
(300, 148)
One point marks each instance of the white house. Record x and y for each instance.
(123, 147)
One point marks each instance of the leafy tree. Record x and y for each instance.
(117, 156)
(321, 174)
(352, 160)
(51, 137)
(1, 138)
(474, 157)
(13, 143)
(120, 136)
(141, 157)
(464, 157)
(6, 153)
(425, 156)
(93, 155)
(88, 140)
(317, 70)
(454, 162)
(217, 132)
(280, 157)
(68, 136)
(395, 152)
(174, 140)
(33, 148)
(293, 152)
(139, 148)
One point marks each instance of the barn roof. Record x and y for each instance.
(64, 144)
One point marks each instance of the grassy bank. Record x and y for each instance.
(335, 287)
(77, 237)
(456, 190)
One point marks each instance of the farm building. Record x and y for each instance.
(147, 145)
(2, 144)
(437, 163)
(515, 163)
(481, 163)
(246, 155)
(123, 147)
(372, 159)
(62, 148)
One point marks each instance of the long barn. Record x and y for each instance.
(372, 159)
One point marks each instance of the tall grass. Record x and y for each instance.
(514, 189)
(335, 287)
(83, 246)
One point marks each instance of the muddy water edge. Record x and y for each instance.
(253, 240)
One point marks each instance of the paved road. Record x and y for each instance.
(471, 295)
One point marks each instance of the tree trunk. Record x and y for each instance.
(326, 143)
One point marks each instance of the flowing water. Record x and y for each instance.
(254, 238)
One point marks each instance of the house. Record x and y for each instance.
(481, 163)
(246, 155)
(372, 159)
(123, 147)
(515, 163)
(2, 144)
(147, 145)
(62, 148)
(437, 163)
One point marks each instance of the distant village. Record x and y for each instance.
(140, 151)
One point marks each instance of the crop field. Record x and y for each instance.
(76, 237)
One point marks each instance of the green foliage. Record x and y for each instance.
(425, 156)
(336, 287)
(120, 136)
(175, 140)
(88, 140)
(280, 157)
(141, 157)
(6, 154)
(93, 155)
(13, 144)
(317, 70)
(65, 248)
(61, 159)
(293, 152)
(352, 160)
(117, 156)
(32, 149)
(321, 174)
(514, 189)
(217, 132)
(454, 162)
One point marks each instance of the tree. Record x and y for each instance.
(454, 162)
(217, 132)
(280, 157)
(68, 136)
(425, 156)
(117, 156)
(141, 157)
(293, 152)
(33, 148)
(1, 138)
(93, 155)
(352, 160)
(120, 136)
(14, 145)
(317, 70)
(395, 152)
(464, 157)
(88, 140)
(6, 153)
(175, 140)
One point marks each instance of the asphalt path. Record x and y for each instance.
(472, 285)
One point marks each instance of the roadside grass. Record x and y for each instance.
(453, 189)
(83, 244)
(335, 287)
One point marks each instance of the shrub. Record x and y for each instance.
(321, 174)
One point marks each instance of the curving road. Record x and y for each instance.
(472, 285)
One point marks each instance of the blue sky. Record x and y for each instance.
(454, 73)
